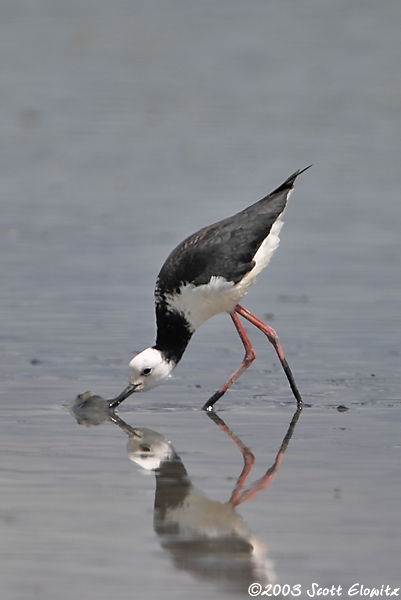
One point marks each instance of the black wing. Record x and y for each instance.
(225, 248)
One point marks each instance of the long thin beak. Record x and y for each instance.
(130, 389)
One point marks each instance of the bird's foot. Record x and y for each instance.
(208, 406)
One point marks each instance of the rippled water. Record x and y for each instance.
(125, 127)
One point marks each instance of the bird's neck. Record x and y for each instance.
(173, 334)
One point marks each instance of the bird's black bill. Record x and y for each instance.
(130, 389)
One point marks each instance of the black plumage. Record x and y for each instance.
(225, 248)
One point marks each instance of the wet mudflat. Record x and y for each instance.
(126, 127)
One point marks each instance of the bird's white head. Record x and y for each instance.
(149, 369)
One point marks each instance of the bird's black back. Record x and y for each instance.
(225, 248)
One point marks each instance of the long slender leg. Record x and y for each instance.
(273, 339)
(248, 359)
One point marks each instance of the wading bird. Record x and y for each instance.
(209, 273)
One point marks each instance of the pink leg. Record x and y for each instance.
(273, 339)
(250, 355)
(248, 359)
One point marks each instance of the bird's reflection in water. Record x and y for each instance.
(206, 538)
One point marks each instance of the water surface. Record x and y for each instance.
(125, 127)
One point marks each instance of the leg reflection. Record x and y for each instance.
(263, 483)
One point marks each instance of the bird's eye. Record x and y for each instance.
(145, 448)
(147, 371)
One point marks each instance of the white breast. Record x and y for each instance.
(199, 303)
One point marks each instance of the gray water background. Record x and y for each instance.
(125, 126)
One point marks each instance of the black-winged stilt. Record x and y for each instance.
(208, 273)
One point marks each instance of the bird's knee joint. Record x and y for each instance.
(273, 339)
(250, 356)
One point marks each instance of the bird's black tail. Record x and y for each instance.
(288, 183)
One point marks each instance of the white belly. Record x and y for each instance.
(199, 303)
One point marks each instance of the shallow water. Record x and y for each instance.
(125, 127)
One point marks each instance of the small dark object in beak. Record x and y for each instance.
(130, 389)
